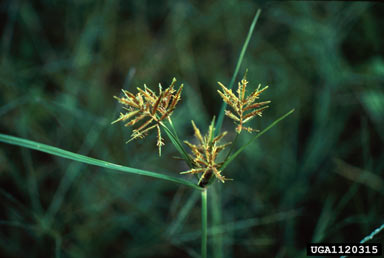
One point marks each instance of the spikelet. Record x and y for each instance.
(245, 108)
(149, 110)
(204, 155)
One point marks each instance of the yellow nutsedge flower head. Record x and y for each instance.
(204, 155)
(245, 108)
(148, 109)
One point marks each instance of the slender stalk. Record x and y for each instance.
(369, 237)
(215, 203)
(204, 223)
(374, 233)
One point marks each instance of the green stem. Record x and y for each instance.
(204, 223)
(215, 204)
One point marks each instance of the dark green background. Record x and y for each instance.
(316, 177)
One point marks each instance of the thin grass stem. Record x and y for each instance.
(204, 223)
(215, 204)
(370, 236)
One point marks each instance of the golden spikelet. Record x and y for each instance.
(148, 109)
(204, 155)
(245, 108)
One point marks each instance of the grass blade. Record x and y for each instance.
(234, 155)
(239, 61)
(88, 160)
(374, 233)
(369, 237)
(183, 214)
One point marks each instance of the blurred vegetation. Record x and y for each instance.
(316, 177)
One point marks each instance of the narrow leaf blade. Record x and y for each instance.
(234, 155)
(88, 160)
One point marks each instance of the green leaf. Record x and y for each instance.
(88, 160)
(234, 155)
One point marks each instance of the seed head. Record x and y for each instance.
(204, 155)
(149, 110)
(245, 108)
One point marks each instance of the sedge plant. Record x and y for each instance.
(210, 153)
(154, 110)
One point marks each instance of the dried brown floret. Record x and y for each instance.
(148, 108)
(205, 154)
(245, 108)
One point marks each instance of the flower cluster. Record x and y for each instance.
(149, 108)
(245, 108)
(205, 154)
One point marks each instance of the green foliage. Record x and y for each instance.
(88, 160)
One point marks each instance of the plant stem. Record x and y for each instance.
(369, 237)
(204, 223)
(215, 204)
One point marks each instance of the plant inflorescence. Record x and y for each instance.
(205, 153)
(147, 106)
(152, 109)
(245, 108)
